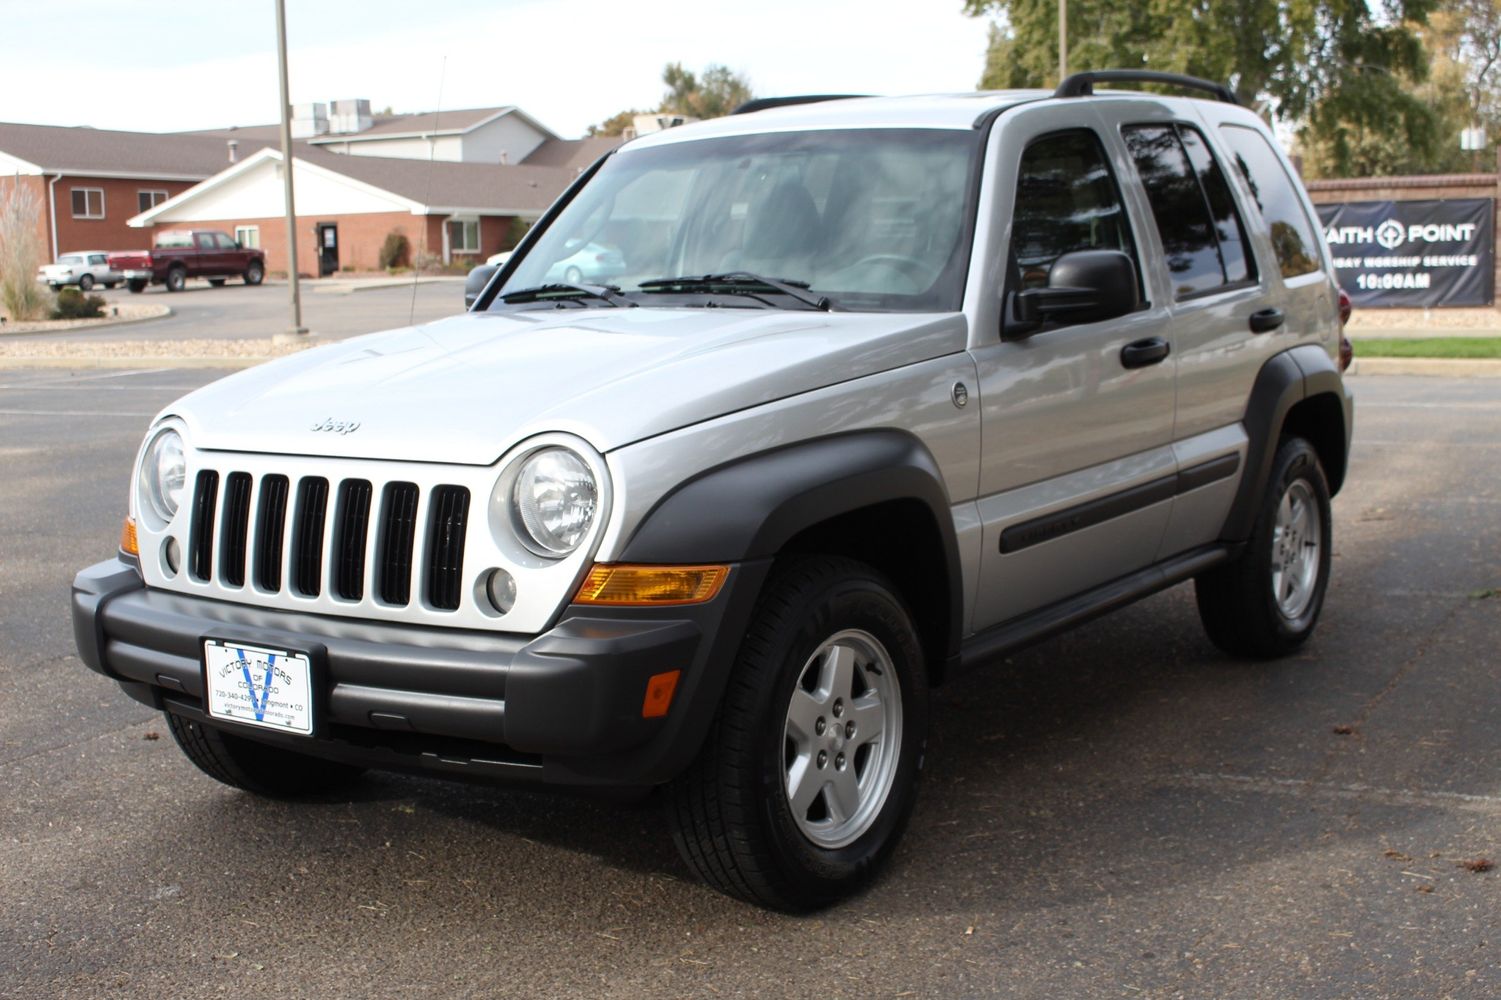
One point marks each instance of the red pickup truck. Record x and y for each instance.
(180, 254)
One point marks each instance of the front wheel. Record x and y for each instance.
(1266, 603)
(254, 273)
(809, 773)
(177, 279)
(256, 767)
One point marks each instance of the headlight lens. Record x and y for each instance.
(554, 501)
(162, 474)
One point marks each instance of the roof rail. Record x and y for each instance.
(762, 103)
(1082, 84)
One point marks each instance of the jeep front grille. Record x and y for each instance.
(266, 530)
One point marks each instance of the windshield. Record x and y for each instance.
(871, 219)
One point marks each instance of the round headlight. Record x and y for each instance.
(163, 472)
(554, 501)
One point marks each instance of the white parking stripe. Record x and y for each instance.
(75, 413)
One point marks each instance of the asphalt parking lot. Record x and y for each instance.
(1120, 812)
(330, 310)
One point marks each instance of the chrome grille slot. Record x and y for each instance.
(236, 528)
(307, 536)
(270, 527)
(445, 546)
(349, 540)
(398, 533)
(201, 531)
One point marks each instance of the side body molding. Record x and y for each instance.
(750, 508)
(1286, 380)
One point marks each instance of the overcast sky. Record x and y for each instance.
(161, 65)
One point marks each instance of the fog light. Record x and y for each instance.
(501, 589)
(171, 556)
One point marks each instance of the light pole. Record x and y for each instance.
(286, 167)
(1062, 39)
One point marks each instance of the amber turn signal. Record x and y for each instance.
(651, 586)
(128, 543)
(659, 691)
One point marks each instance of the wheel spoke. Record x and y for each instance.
(804, 782)
(869, 717)
(844, 794)
(802, 715)
(837, 676)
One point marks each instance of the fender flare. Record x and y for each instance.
(1286, 380)
(750, 508)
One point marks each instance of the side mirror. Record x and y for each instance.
(476, 282)
(1085, 286)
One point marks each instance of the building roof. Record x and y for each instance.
(429, 123)
(108, 153)
(571, 154)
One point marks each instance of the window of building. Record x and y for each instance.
(248, 237)
(1190, 220)
(88, 203)
(1282, 211)
(463, 235)
(149, 199)
(1066, 200)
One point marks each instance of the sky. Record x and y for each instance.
(173, 66)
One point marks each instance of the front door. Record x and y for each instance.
(328, 249)
(1077, 463)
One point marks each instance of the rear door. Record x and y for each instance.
(1076, 463)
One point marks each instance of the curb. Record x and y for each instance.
(110, 322)
(1446, 367)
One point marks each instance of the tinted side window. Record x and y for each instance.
(205, 241)
(1179, 208)
(1291, 232)
(1228, 229)
(224, 242)
(1066, 200)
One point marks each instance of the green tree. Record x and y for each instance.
(617, 123)
(1346, 73)
(716, 93)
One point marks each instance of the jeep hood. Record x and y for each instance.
(465, 390)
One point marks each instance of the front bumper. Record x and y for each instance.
(564, 706)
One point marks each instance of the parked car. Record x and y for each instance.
(178, 255)
(589, 263)
(84, 269)
(894, 387)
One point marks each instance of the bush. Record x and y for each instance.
(72, 304)
(21, 254)
(396, 251)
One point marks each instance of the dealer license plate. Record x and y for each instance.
(271, 688)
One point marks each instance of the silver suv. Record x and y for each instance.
(877, 389)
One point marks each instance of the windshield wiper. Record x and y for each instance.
(738, 283)
(564, 291)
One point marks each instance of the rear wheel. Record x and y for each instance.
(256, 767)
(177, 279)
(573, 276)
(1266, 603)
(809, 773)
(254, 273)
(86, 283)
(136, 286)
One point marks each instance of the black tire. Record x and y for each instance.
(177, 279)
(136, 286)
(730, 811)
(85, 282)
(255, 273)
(256, 767)
(216, 282)
(1238, 602)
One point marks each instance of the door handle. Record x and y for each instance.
(1140, 353)
(1266, 320)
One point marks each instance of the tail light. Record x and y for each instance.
(1344, 307)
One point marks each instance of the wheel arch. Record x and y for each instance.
(1298, 391)
(876, 496)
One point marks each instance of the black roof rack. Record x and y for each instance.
(762, 103)
(1082, 84)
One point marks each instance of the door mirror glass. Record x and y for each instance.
(476, 282)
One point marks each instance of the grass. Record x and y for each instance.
(1430, 347)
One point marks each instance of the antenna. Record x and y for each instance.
(427, 199)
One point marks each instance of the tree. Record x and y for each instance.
(717, 93)
(21, 253)
(617, 123)
(1344, 73)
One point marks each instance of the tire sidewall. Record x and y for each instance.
(1296, 459)
(859, 603)
(254, 274)
(177, 279)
